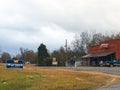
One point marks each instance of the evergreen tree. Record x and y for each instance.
(42, 54)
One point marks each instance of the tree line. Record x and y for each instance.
(25, 54)
(79, 47)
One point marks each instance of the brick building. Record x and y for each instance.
(105, 51)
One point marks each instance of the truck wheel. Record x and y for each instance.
(111, 65)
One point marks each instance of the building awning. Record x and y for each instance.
(86, 56)
(98, 55)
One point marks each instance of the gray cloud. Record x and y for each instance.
(28, 23)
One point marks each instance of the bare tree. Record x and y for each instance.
(117, 36)
(86, 39)
(28, 55)
(5, 56)
(82, 42)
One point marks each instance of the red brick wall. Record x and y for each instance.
(113, 46)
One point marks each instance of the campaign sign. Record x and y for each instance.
(14, 63)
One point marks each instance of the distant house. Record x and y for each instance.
(105, 51)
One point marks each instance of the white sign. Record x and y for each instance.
(104, 45)
(54, 63)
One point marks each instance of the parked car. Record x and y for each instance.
(115, 62)
(14, 63)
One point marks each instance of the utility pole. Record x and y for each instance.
(66, 45)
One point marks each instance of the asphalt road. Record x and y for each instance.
(113, 87)
(109, 70)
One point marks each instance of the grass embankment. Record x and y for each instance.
(51, 79)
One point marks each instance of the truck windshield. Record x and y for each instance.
(10, 61)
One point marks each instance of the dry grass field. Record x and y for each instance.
(52, 79)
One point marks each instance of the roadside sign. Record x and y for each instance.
(54, 61)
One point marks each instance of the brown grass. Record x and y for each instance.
(52, 79)
(62, 79)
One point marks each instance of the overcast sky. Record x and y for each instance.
(28, 23)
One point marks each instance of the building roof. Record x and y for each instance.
(98, 55)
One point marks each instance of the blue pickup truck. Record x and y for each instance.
(115, 62)
(11, 63)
